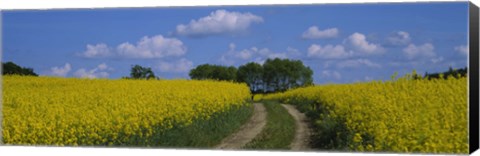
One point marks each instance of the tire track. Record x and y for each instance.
(248, 131)
(302, 131)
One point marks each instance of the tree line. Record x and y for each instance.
(456, 73)
(10, 68)
(273, 76)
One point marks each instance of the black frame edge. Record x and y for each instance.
(473, 75)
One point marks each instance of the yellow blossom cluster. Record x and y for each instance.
(73, 111)
(405, 115)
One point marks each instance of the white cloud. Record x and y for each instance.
(219, 22)
(462, 49)
(179, 66)
(146, 48)
(331, 74)
(152, 47)
(102, 66)
(405, 63)
(273, 55)
(226, 59)
(246, 53)
(61, 71)
(293, 51)
(419, 55)
(252, 54)
(437, 60)
(359, 42)
(231, 47)
(314, 33)
(327, 63)
(97, 72)
(358, 63)
(413, 51)
(356, 44)
(83, 73)
(96, 51)
(328, 51)
(399, 38)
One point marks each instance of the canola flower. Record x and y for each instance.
(73, 111)
(405, 115)
(257, 97)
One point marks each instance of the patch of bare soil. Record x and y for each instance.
(302, 131)
(248, 131)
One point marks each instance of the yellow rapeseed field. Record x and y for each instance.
(72, 111)
(405, 115)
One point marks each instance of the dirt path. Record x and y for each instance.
(248, 131)
(302, 131)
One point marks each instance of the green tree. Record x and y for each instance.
(284, 74)
(274, 75)
(201, 72)
(456, 73)
(214, 72)
(11, 68)
(251, 73)
(139, 72)
(306, 76)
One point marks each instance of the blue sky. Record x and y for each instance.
(342, 43)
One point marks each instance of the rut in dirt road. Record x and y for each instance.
(248, 131)
(302, 131)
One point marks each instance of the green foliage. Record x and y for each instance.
(456, 73)
(279, 131)
(11, 68)
(402, 115)
(139, 72)
(214, 72)
(284, 74)
(273, 76)
(201, 133)
(251, 73)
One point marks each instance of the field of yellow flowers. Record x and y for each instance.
(167, 113)
(403, 115)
